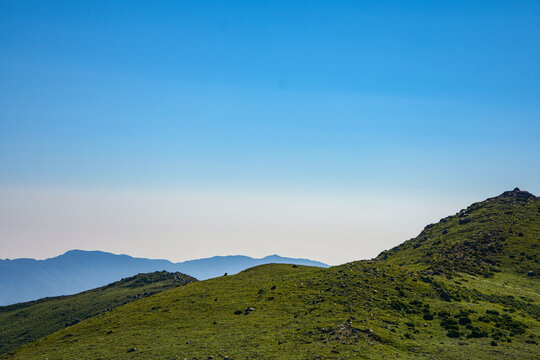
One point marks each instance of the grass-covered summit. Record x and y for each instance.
(466, 288)
(499, 234)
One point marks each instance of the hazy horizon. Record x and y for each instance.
(147, 224)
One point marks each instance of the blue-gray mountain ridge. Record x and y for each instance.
(78, 270)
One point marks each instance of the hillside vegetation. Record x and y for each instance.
(26, 322)
(465, 288)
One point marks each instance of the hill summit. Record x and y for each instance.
(518, 194)
(498, 234)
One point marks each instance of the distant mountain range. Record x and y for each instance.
(78, 270)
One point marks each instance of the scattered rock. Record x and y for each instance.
(248, 310)
(518, 194)
(132, 350)
(530, 273)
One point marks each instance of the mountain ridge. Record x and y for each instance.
(76, 270)
(81, 251)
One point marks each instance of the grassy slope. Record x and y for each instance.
(26, 322)
(435, 306)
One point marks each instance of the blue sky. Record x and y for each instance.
(420, 97)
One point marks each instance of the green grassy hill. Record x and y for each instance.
(25, 322)
(466, 288)
(500, 234)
